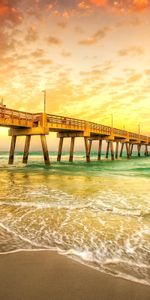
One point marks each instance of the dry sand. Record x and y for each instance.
(46, 275)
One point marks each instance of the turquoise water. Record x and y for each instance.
(97, 213)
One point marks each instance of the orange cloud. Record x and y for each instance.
(96, 37)
(118, 4)
(99, 2)
(83, 5)
(140, 4)
(3, 9)
(9, 12)
(54, 40)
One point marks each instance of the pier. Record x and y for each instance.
(41, 124)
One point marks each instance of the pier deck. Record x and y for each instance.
(28, 124)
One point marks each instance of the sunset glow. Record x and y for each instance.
(91, 56)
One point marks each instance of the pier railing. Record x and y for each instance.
(93, 127)
(6, 113)
(20, 118)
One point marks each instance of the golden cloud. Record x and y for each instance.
(37, 53)
(54, 40)
(32, 34)
(134, 50)
(96, 37)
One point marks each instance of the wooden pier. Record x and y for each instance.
(27, 124)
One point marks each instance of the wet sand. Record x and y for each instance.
(44, 275)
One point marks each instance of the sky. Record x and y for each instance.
(91, 56)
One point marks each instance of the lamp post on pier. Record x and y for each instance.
(139, 128)
(112, 120)
(44, 91)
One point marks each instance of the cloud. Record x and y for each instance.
(134, 21)
(10, 14)
(38, 53)
(147, 72)
(96, 37)
(7, 42)
(141, 4)
(134, 50)
(83, 5)
(44, 61)
(62, 24)
(134, 78)
(99, 2)
(52, 40)
(13, 12)
(65, 53)
(32, 34)
(126, 5)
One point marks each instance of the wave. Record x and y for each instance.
(127, 212)
(87, 260)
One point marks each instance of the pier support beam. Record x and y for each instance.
(26, 149)
(45, 149)
(87, 149)
(112, 150)
(12, 149)
(146, 150)
(107, 149)
(60, 148)
(99, 150)
(71, 149)
(128, 150)
(139, 150)
(90, 146)
(121, 150)
(117, 148)
(131, 149)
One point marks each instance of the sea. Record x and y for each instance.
(97, 213)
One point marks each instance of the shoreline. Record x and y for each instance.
(43, 275)
(80, 261)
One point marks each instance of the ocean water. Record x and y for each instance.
(96, 213)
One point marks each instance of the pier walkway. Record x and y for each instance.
(28, 124)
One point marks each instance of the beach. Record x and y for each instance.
(83, 229)
(45, 275)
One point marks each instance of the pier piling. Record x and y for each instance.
(117, 148)
(87, 149)
(60, 148)
(146, 150)
(99, 149)
(45, 149)
(121, 150)
(90, 146)
(139, 150)
(26, 149)
(71, 149)
(112, 150)
(107, 149)
(12, 149)
(131, 149)
(128, 150)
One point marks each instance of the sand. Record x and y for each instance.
(44, 275)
